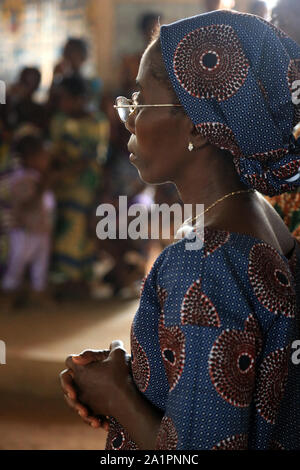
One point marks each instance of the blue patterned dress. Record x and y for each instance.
(213, 346)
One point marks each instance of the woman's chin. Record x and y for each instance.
(148, 178)
(146, 173)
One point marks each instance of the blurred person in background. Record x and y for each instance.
(9, 161)
(286, 16)
(32, 206)
(7, 164)
(21, 106)
(20, 110)
(80, 141)
(74, 57)
(211, 5)
(75, 54)
(147, 24)
(259, 8)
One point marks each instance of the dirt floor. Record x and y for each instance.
(36, 424)
(33, 414)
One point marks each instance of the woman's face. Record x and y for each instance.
(160, 137)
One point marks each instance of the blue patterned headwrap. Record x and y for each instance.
(234, 75)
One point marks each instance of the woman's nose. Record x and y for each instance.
(130, 123)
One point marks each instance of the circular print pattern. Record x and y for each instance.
(271, 280)
(162, 295)
(139, 364)
(209, 62)
(271, 381)
(214, 239)
(232, 363)
(287, 170)
(118, 438)
(198, 309)
(272, 155)
(167, 435)
(261, 183)
(172, 345)
(237, 442)
(220, 135)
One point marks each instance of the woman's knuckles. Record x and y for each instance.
(66, 384)
(117, 354)
(116, 344)
(69, 362)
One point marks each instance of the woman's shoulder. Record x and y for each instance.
(234, 272)
(221, 253)
(202, 244)
(208, 254)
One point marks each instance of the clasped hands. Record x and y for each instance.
(95, 381)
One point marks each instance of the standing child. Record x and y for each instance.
(32, 207)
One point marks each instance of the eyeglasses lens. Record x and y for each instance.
(123, 112)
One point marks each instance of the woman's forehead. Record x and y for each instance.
(146, 79)
(144, 72)
(150, 87)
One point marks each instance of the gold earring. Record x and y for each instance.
(191, 146)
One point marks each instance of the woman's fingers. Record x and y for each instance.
(66, 381)
(106, 426)
(68, 384)
(69, 363)
(82, 411)
(116, 344)
(104, 421)
(90, 355)
(77, 406)
(117, 352)
(70, 394)
(85, 357)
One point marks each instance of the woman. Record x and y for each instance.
(211, 352)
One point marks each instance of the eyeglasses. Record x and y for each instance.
(126, 107)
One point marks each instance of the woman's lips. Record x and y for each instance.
(132, 156)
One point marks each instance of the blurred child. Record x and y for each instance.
(32, 207)
(80, 141)
(21, 106)
(75, 54)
